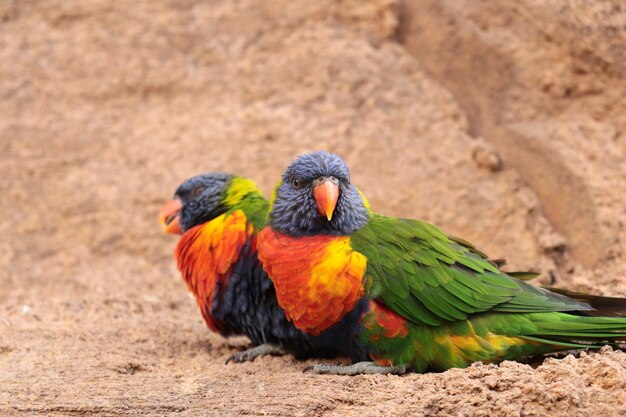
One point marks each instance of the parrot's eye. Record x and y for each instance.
(296, 183)
(197, 191)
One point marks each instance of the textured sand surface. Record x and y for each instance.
(502, 122)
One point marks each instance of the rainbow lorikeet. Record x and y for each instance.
(219, 215)
(424, 300)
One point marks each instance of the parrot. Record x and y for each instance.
(424, 300)
(218, 216)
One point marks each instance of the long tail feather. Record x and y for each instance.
(603, 306)
(524, 276)
(568, 330)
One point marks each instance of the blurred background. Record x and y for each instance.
(503, 122)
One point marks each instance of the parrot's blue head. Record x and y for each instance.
(197, 200)
(316, 196)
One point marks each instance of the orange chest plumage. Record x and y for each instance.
(206, 255)
(318, 279)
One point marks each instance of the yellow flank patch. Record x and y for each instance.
(466, 343)
(238, 189)
(502, 343)
(473, 347)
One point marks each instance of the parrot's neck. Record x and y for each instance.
(245, 196)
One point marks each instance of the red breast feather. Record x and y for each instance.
(318, 279)
(206, 254)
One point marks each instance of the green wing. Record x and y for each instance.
(428, 277)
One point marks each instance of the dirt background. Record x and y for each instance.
(501, 121)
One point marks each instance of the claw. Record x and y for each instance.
(236, 358)
(252, 353)
(359, 368)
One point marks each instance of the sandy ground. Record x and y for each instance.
(503, 122)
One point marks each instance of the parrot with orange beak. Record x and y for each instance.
(218, 216)
(406, 294)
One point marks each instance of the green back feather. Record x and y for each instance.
(430, 278)
(243, 194)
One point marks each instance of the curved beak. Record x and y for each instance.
(169, 217)
(325, 193)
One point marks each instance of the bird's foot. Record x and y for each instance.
(359, 368)
(252, 353)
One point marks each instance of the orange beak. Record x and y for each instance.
(325, 195)
(169, 217)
